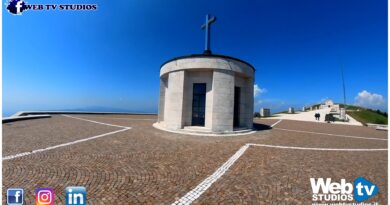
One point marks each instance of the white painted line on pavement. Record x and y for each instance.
(276, 123)
(205, 184)
(317, 148)
(336, 135)
(70, 143)
(62, 145)
(102, 123)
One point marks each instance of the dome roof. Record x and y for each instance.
(208, 56)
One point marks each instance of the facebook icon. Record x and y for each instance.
(16, 7)
(14, 196)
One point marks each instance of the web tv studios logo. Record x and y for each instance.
(17, 7)
(326, 190)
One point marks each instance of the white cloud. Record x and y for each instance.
(257, 90)
(370, 100)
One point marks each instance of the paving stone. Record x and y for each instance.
(144, 165)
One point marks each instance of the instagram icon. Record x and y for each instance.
(44, 196)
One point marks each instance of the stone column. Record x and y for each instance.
(223, 101)
(342, 114)
(249, 103)
(161, 105)
(173, 115)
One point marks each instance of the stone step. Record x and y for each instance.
(200, 129)
(197, 129)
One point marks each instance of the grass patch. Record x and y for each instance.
(351, 107)
(368, 116)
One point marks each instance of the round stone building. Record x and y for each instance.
(206, 93)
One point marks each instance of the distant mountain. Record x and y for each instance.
(106, 109)
(8, 113)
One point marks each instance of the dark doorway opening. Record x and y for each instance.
(198, 104)
(236, 118)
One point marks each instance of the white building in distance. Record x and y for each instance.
(265, 112)
(329, 104)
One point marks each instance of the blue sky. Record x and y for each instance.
(110, 58)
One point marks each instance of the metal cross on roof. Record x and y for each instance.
(207, 28)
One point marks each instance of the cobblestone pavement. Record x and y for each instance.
(30, 135)
(144, 165)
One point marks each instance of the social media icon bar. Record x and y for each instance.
(15, 196)
(75, 195)
(44, 196)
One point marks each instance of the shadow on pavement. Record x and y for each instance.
(259, 127)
